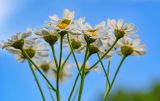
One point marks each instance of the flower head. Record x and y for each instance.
(94, 34)
(131, 47)
(121, 29)
(35, 51)
(106, 45)
(64, 74)
(49, 37)
(77, 42)
(87, 67)
(17, 41)
(64, 24)
(45, 64)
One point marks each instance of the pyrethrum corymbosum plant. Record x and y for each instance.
(102, 40)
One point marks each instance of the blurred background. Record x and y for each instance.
(139, 77)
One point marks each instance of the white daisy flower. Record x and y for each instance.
(49, 37)
(95, 34)
(63, 24)
(131, 47)
(87, 67)
(45, 64)
(35, 51)
(121, 29)
(17, 41)
(77, 42)
(106, 44)
(64, 74)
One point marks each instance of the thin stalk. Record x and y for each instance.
(75, 94)
(50, 93)
(108, 69)
(74, 56)
(58, 70)
(83, 74)
(114, 78)
(106, 74)
(30, 60)
(37, 82)
(104, 54)
(75, 82)
(65, 60)
(49, 90)
(54, 55)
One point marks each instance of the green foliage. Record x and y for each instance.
(152, 95)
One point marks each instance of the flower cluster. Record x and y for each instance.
(104, 40)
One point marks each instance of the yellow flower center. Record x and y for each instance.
(93, 32)
(64, 23)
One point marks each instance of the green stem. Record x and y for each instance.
(108, 69)
(54, 55)
(114, 78)
(106, 74)
(49, 90)
(104, 54)
(50, 93)
(58, 69)
(30, 60)
(65, 60)
(83, 74)
(75, 94)
(109, 64)
(75, 82)
(81, 87)
(37, 82)
(74, 56)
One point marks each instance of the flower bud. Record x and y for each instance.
(18, 44)
(89, 39)
(127, 50)
(92, 49)
(45, 67)
(75, 44)
(119, 33)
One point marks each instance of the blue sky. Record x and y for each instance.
(137, 73)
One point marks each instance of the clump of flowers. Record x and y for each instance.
(79, 37)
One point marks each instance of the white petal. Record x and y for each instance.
(54, 17)
(68, 14)
(120, 23)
